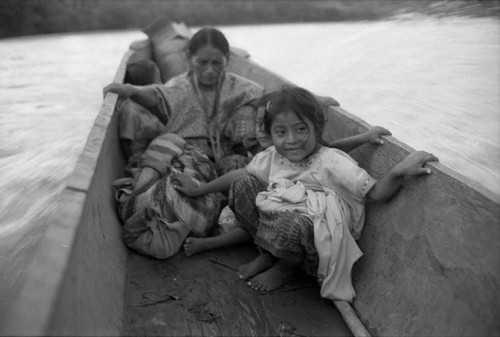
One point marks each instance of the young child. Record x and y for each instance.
(302, 202)
(229, 233)
(138, 124)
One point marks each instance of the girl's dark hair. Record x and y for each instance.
(298, 100)
(209, 36)
(141, 72)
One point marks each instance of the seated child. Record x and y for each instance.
(303, 203)
(230, 233)
(138, 125)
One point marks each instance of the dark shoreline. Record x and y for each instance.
(31, 17)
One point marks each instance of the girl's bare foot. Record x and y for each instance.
(271, 279)
(194, 245)
(262, 262)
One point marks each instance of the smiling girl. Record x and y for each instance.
(302, 202)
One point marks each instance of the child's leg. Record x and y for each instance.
(242, 196)
(276, 276)
(286, 236)
(194, 245)
(262, 262)
(242, 201)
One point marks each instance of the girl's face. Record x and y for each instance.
(293, 138)
(208, 65)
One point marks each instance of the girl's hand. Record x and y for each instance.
(414, 164)
(374, 135)
(117, 88)
(184, 184)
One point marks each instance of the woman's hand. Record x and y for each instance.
(374, 135)
(184, 184)
(414, 164)
(117, 88)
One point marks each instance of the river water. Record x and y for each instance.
(434, 83)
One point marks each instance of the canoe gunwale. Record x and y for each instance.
(455, 175)
(41, 303)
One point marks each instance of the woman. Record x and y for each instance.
(208, 113)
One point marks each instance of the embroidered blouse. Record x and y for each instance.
(327, 167)
(192, 116)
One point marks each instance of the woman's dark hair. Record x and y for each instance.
(209, 36)
(141, 72)
(298, 100)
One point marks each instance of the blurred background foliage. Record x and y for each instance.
(29, 17)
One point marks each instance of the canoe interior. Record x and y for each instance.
(431, 263)
(202, 296)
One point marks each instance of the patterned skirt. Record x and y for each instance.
(157, 221)
(283, 234)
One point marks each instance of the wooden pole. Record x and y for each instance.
(351, 318)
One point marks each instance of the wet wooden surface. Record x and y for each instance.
(431, 253)
(201, 295)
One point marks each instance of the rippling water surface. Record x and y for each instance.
(434, 83)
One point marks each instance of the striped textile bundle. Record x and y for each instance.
(161, 151)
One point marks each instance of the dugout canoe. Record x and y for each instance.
(431, 264)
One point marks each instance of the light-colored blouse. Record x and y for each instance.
(330, 188)
(328, 167)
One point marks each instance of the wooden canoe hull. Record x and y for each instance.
(76, 284)
(431, 263)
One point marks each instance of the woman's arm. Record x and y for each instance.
(413, 165)
(144, 95)
(221, 184)
(372, 136)
(147, 177)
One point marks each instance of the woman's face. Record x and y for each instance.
(293, 138)
(208, 64)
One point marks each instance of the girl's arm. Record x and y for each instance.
(413, 165)
(221, 184)
(144, 95)
(372, 136)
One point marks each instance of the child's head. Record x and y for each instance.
(143, 72)
(295, 121)
(208, 55)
